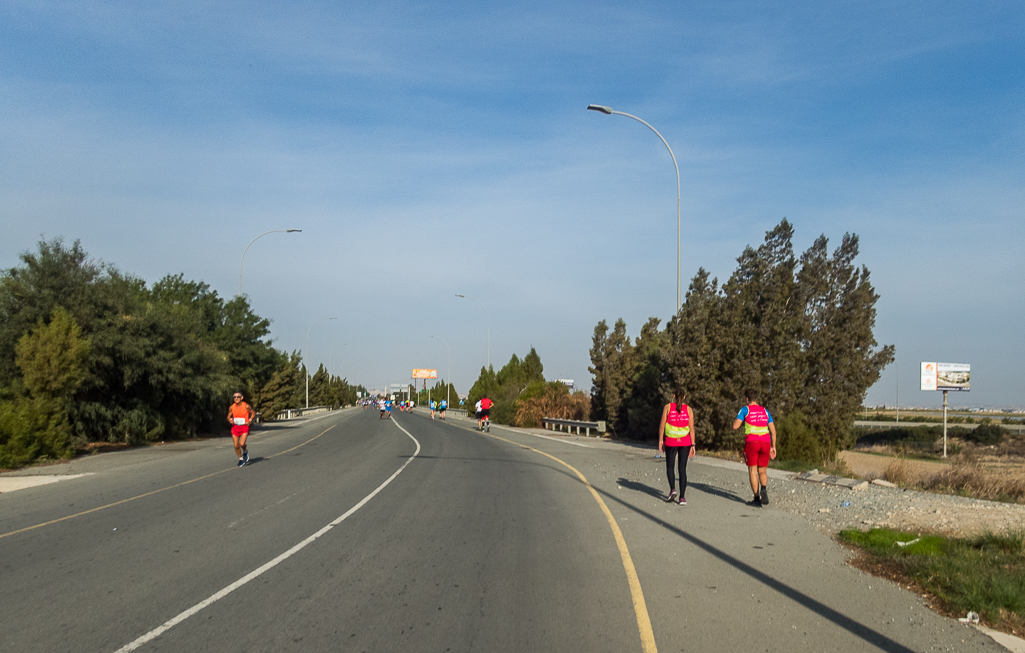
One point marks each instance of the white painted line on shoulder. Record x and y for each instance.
(171, 623)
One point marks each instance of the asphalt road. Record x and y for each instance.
(351, 533)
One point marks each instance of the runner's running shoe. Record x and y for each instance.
(240, 462)
(765, 496)
(755, 503)
(672, 496)
(245, 457)
(683, 501)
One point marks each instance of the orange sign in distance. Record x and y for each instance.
(425, 374)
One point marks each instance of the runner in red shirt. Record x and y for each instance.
(484, 421)
(240, 414)
(759, 445)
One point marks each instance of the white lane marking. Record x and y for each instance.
(171, 623)
(242, 519)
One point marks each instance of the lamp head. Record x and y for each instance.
(598, 107)
(293, 231)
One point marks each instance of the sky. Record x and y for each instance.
(434, 149)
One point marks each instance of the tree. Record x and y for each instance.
(842, 361)
(611, 367)
(799, 332)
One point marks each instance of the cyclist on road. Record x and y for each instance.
(240, 414)
(759, 445)
(485, 414)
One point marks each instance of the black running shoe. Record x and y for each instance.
(755, 503)
(765, 496)
(240, 462)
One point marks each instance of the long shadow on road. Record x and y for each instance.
(850, 625)
(857, 629)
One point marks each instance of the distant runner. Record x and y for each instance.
(442, 407)
(240, 414)
(433, 405)
(485, 414)
(759, 447)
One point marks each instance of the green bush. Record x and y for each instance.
(987, 434)
(796, 440)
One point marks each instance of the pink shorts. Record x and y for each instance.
(757, 453)
(239, 430)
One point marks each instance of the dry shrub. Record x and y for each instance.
(556, 403)
(973, 480)
(838, 467)
(899, 472)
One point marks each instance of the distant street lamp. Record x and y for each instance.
(489, 323)
(448, 380)
(306, 367)
(273, 231)
(679, 277)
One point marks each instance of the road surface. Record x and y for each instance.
(351, 533)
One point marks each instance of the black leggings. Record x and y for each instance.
(671, 454)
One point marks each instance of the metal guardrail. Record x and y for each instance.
(870, 424)
(292, 413)
(553, 424)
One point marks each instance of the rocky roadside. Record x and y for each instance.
(832, 509)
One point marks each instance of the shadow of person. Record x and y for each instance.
(637, 486)
(719, 492)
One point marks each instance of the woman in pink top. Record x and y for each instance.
(676, 438)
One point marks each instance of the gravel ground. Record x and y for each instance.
(870, 507)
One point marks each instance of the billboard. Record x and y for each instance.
(946, 376)
(425, 374)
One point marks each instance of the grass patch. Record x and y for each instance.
(984, 574)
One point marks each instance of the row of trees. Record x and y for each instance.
(522, 396)
(89, 353)
(799, 330)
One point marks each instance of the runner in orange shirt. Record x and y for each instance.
(240, 414)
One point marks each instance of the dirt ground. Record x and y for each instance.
(869, 466)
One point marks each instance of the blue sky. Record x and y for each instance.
(429, 149)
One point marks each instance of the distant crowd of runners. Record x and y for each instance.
(676, 436)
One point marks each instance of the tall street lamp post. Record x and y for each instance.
(272, 231)
(609, 111)
(305, 366)
(489, 323)
(448, 381)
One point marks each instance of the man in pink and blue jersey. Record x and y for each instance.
(759, 445)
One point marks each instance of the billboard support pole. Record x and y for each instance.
(944, 423)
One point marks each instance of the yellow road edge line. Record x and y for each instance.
(644, 628)
(147, 494)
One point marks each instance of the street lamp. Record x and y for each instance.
(448, 381)
(272, 231)
(489, 323)
(608, 111)
(305, 366)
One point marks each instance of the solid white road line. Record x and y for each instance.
(171, 623)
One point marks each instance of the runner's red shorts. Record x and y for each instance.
(757, 453)
(239, 429)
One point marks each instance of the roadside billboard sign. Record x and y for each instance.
(425, 374)
(946, 376)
